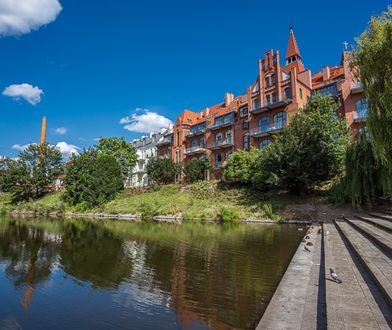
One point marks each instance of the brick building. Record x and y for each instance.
(253, 118)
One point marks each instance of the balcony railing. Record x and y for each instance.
(195, 150)
(165, 141)
(198, 132)
(228, 121)
(262, 131)
(220, 144)
(356, 87)
(359, 117)
(273, 105)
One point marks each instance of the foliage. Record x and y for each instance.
(267, 208)
(92, 178)
(241, 165)
(364, 178)
(123, 152)
(228, 214)
(163, 171)
(203, 189)
(195, 169)
(310, 150)
(32, 174)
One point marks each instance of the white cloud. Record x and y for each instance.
(20, 147)
(68, 149)
(61, 130)
(24, 91)
(19, 17)
(145, 121)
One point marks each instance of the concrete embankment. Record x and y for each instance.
(359, 250)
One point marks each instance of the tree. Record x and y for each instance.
(123, 152)
(195, 169)
(240, 165)
(310, 150)
(163, 171)
(372, 62)
(32, 174)
(92, 179)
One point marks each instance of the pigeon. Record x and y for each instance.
(335, 276)
(303, 240)
(306, 249)
(307, 237)
(309, 243)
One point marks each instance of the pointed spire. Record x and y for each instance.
(292, 48)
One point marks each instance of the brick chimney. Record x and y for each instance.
(229, 97)
(326, 73)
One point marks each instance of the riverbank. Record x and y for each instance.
(182, 203)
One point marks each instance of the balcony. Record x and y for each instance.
(164, 141)
(195, 150)
(262, 131)
(196, 133)
(356, 88)
(360, 117)
(274, 105)
(221, 144)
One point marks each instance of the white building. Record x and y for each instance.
(146, 149)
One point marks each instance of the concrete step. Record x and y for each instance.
(384, 216)
(380, 237)
(380, 223)
(377, 263)
(350, 305)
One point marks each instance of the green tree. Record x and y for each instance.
(195, 169)
(310, 150)
(372, 63)
(240, 165)
(92, 179)
(32, 174)
(123, 152)
(163, 171)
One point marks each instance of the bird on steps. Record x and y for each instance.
(335, 276)
(306, 249)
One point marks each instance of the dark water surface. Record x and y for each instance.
(86, 274)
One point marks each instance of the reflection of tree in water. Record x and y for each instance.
(91, 253)
(30, 253)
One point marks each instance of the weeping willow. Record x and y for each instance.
(373, 61)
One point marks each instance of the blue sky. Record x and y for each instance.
(95, 62)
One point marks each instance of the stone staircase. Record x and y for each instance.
(359, 249)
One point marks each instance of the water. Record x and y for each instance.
(86, 274)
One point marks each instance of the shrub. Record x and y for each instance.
(267, 208)
(228, 214)
(240, 165)
(203, 190)
(148, 210)
(163, 171)
(195, 169)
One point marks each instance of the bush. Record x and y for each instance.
(203, 190)
(267, 208)
(163, 171)
(148, 210)
(195, 169)
(228, 214)
(240, 165)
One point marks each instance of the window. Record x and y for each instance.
(256, 103)
(267, 82)
(362, 107)
(218, 139)
(198, 128)
(228, 137)
(218, 158)
(287, 92)
(194, 143)
(244, 111)
(300, 93)
(273, 79)
(246, 142)
(268, 99)
(330, 90)
(280, 120)
(274, 98)
(264, 143)
(264, 124)
(245, 124)
(201, 142)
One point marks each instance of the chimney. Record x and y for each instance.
(42, 140)
(207, 112)
(326, 73)
(228, 98)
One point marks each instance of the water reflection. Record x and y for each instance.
(85, 273)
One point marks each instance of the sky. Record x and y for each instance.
(123, 68)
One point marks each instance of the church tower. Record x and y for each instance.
(293, 55)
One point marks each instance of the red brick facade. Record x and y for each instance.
(253, 118)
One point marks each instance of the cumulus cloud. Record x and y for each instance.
(144, 121)
(61, 130)
(22, 16)
(20, 147)
(24, 91)
(68, 149)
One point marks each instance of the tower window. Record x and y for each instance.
(287, 92)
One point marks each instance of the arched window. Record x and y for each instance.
(280, 119)
(194, 143)
(246, 141)
(362, 107)
(201, 142)
(228, 136)
(274, 98)
(287, 93)
(264, 124)
(264, 143)
(218, 139)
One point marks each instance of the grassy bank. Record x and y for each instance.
(198, 201)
